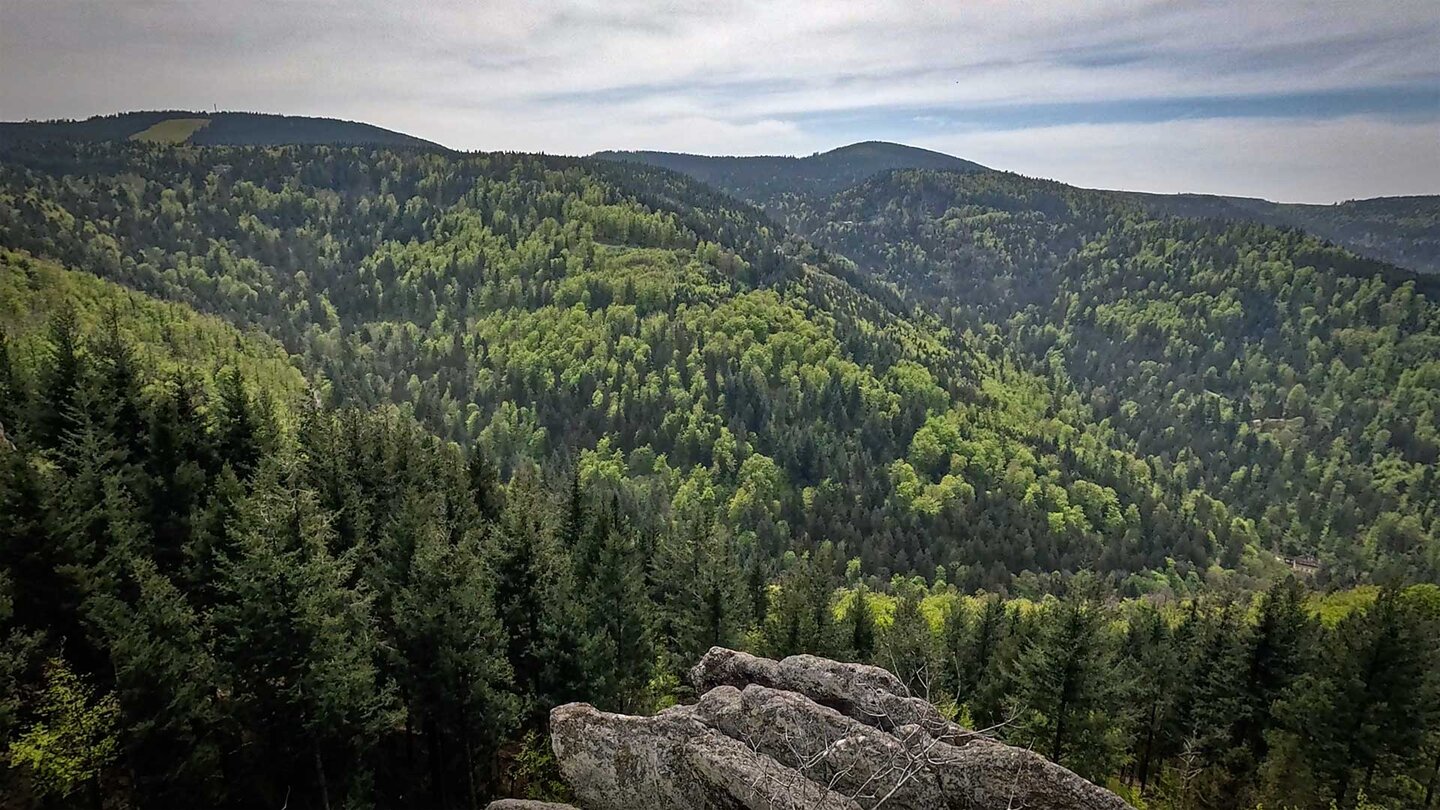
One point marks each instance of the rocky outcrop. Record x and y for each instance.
(805, 732)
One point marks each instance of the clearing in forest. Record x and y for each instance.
(171, 130)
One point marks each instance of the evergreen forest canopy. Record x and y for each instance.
(327, 471)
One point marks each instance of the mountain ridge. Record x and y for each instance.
(1397, 230)
(225, 128)
(759, 178)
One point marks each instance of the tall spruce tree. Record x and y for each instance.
(860, 616)
(907, 646)
(299, 641)
(1361, 719)
(1066, 686)
(454, 674)
(60, 378)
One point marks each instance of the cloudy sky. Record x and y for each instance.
(1298, 100)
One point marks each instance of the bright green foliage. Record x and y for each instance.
(73, 737)
(684, 427)
(44, 307)
(800, 619)
(1290, 382)
(547, 307)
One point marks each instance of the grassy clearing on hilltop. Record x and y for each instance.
(171, 130)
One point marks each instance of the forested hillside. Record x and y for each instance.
(762, 178)
(212, 592)
(1290, 380)
(1398, 230)
(665, 339)
(326, 472)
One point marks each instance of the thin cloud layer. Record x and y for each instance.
(1223, 95)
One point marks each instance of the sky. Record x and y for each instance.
(1294, 100)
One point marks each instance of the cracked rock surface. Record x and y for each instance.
(804, 732)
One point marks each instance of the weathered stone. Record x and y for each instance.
(805, 732)
(527, 804)
(987, 773)
(854, 759)
(672, 761)
(868, 694)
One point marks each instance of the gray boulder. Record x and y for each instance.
(672, 761)
(805, 732)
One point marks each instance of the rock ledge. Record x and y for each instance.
(804, 732)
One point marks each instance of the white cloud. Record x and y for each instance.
(729, 76)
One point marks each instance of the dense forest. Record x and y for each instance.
(1285, 378)
(1398, 230)
(588, 313)
(761, 179)
(214, 594)
(326, 471)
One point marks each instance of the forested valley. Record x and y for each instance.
(327, 472)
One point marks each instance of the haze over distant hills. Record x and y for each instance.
(1399, 230)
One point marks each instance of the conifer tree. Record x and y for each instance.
(164, 672)
(617, 608)
(799, 619)
(1362, 717)
(298, 641)
(484, 484)
(861, 618)
(238, 427)
(720, 615)
(906, 646)
(1155, 666)
(1273, 659)
(539, 607)
(454, 672)
(60, 379)
(12, 399)
(1066, 687)
(179, 463)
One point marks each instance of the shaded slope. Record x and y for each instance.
(1403, 231)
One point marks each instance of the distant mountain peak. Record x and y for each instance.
(212, 129)
(760, 178)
